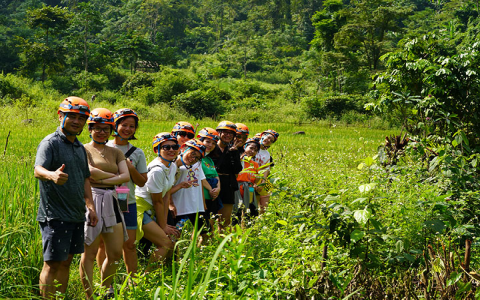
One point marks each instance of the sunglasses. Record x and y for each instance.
(188, 134)
(97, 129)
(168, 147)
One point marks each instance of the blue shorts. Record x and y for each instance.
(60, 238)
(131, 217)
(148, 218)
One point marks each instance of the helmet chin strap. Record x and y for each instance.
(181, 159)
(100, 143)
(168, 161)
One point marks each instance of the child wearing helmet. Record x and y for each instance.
(211, 186)
(61, 166)
(189, 203)
(227, 162)
(108, 168)
(248, 179)
(126, 124)
(183, 131)
(265, 162)
(241, 136)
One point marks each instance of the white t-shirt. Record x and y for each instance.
(139, 162)
(263, 158)
(160, 180)
(189, 200)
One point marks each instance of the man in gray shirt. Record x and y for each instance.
(65, 195)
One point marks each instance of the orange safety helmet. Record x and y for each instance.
(208, 133)
(162, 137)
(101, 116)
(195, 144)
(183, 126)
(272, 132)
(227, 125)
(74, 104)
(242, 129)
(124, 113)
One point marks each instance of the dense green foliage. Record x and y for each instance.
(292, 51)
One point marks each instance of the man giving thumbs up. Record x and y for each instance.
(65, 195)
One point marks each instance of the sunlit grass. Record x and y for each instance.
(323, 160)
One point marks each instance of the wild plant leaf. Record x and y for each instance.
(365, 188)
(362, 216)
(436, 225)
(357, 235)
(282, 222)
(360, 200)
(454, 277)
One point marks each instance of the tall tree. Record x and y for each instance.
(52, 21)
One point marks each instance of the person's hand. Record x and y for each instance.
(171, 230)
(92, 218)
(59, 177)
(129, 163)
(185, 184)
(214, 193)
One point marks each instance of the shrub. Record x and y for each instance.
(169, 86)
(334, 106)
(137, 80)
(91, 81)
(203, 102)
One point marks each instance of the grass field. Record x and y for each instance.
(279, 256)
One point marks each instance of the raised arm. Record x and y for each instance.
(57, 176)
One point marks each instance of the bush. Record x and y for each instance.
(334, 106)
(137, 80)
(91, 81)
(7, 90)
(203, 103)
(169, 86)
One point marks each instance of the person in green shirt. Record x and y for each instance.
(211, 185)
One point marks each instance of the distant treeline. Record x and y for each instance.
(310, 53)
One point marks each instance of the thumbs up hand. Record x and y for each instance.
(59, 177)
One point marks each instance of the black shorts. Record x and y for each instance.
(202, 221)
(60, 238)
(213, 206)
(227, 192)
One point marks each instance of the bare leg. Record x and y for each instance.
(130, 252)
(157, 236)
(263, 203)
(86, 266)
(225, 215)
(101, 254)
(63, 273)
(47, 278)
(113, 250)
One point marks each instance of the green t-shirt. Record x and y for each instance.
(208, 168)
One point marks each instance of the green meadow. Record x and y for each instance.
(339, 224)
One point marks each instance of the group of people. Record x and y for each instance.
(100, 199)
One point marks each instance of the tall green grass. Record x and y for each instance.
(270, 260)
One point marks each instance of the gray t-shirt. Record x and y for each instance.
(139, 162)
(62, 202)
